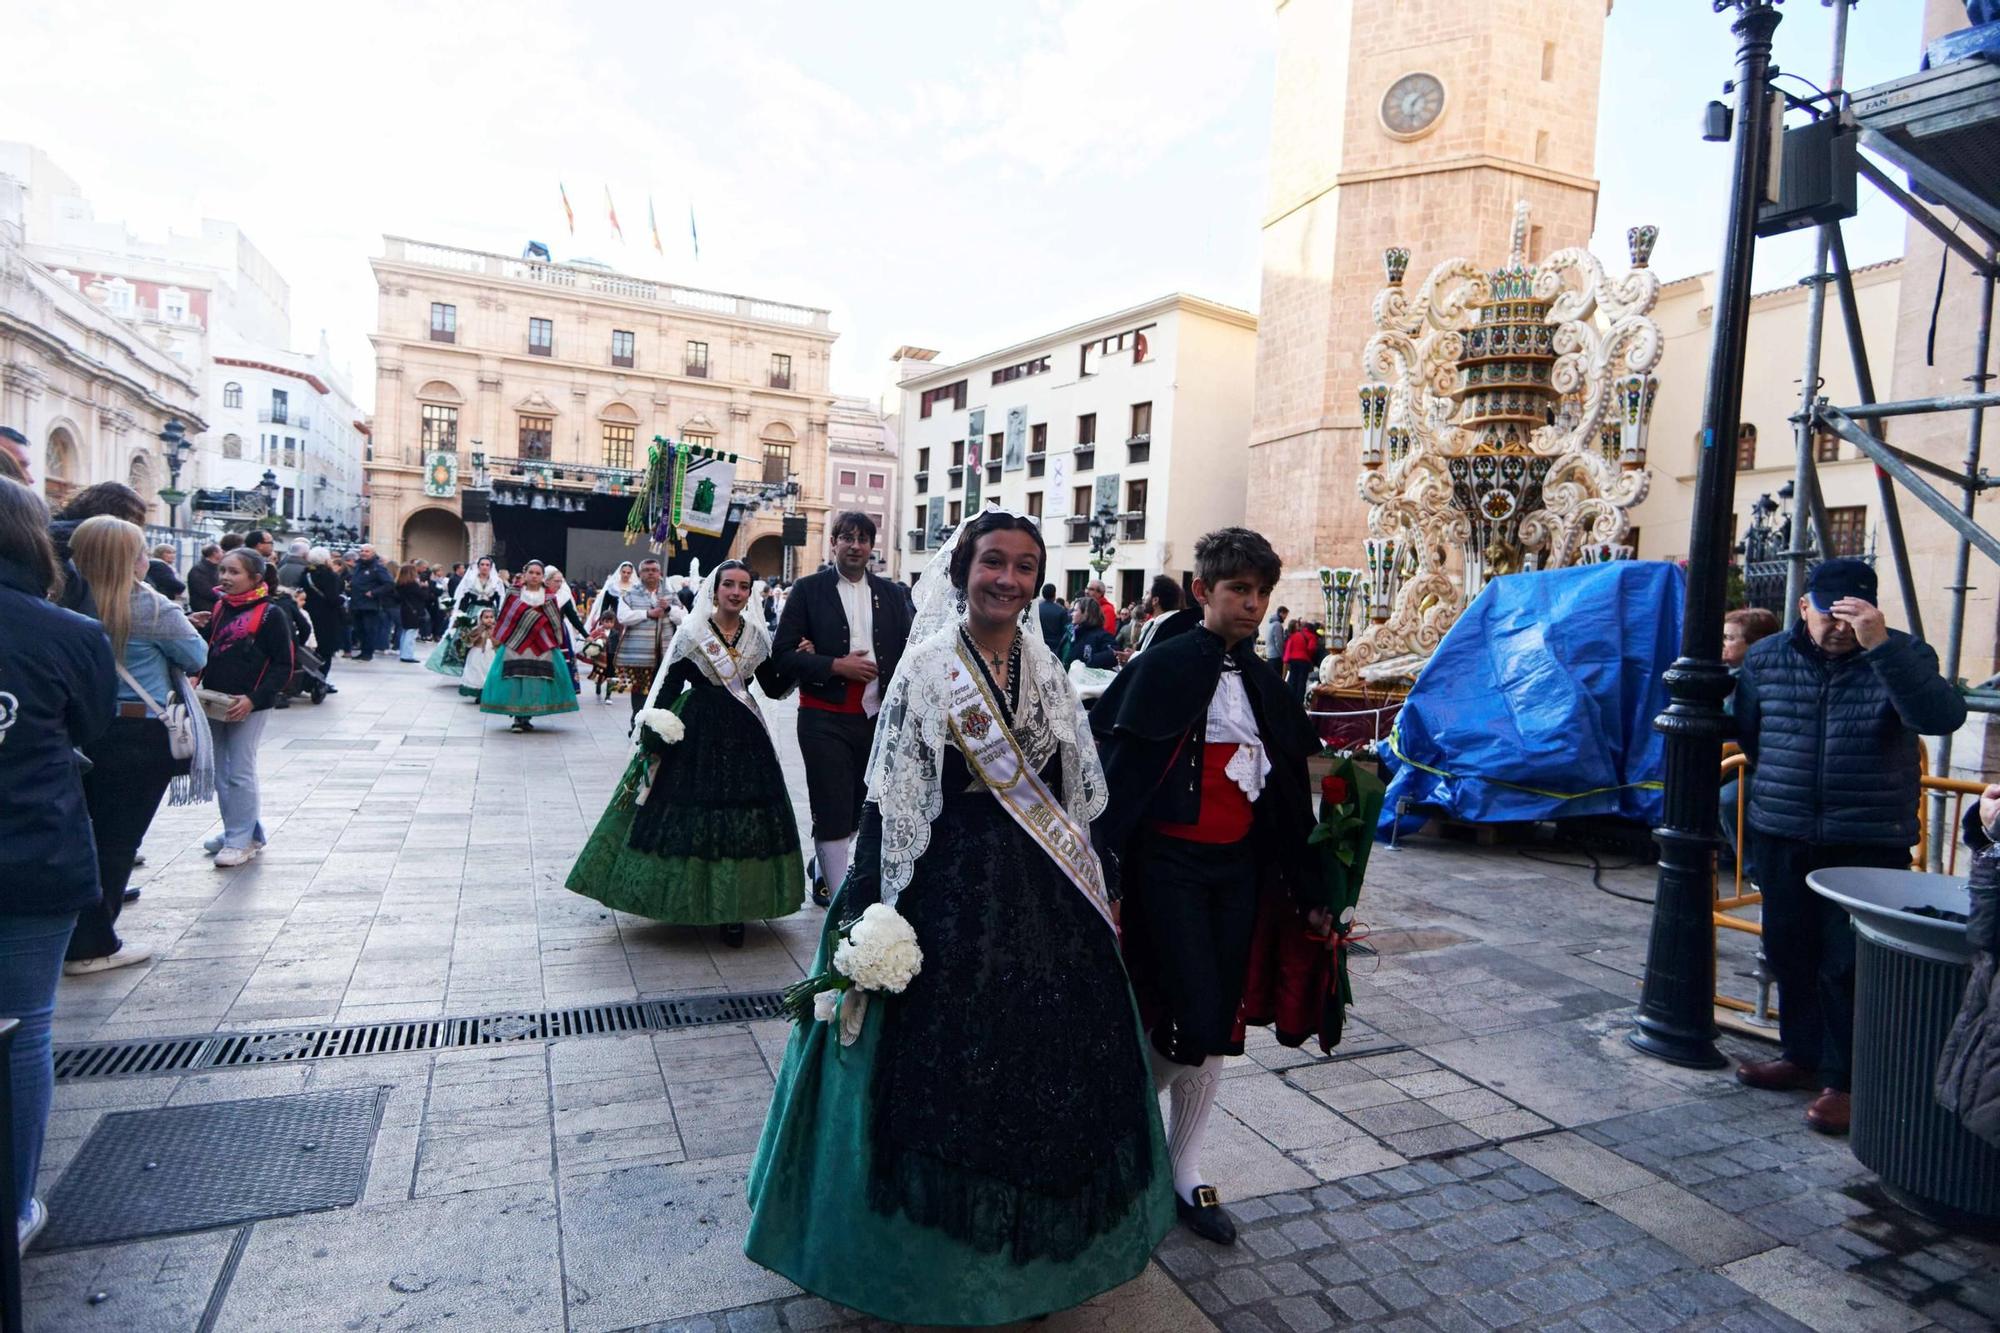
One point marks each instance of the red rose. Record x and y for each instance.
(1333, 789)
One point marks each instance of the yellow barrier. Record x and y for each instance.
(1735, 765)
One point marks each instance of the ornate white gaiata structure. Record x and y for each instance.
(1506, 425)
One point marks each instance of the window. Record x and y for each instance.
(1548, 62)
(618, 441)
(444, 323)
(541, 337)
(1022, 371)
(1034, 504)
(1099, 348)
(953, 393)
(1135, 507)
(958, 453)
(1847, 530)
(173, 305)
(622, 346)
(923, 460)
(536, 432)
(440, 427)
(953, 514)
(232, 394)
(697, 359)
(290, 501)
(1079, 502)
(1038, 438)
(1142, 421)
(1086, 430)
(777, 462)
(281, 406)
(1826, 447)
(232, 446)
(781, 371)
(1541, 147)
(849, 478)
(291, 451)
(1746, 447)
(876, 481)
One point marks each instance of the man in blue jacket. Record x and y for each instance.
(1830, 716)
(369, 595)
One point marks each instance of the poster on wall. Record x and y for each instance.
(1056, 506)
(1017, 439)
(934, 527)
(441, 474)
(975, 453)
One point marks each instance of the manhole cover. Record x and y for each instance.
(190, 1168)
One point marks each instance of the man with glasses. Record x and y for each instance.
(857, 624)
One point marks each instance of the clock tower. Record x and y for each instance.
(1419, 123)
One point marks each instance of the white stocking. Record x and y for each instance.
(1191, 1093)
(832, 862)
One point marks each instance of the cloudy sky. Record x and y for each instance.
(952, 176)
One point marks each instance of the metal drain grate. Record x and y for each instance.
(223, 1050)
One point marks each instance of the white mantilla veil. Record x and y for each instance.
(622, 580)
(905, 768)
(752, 649)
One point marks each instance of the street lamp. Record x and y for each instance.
(1103, 539)
(269, 487)
(1676, 1021)
(173, 435)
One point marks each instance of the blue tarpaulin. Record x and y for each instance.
(1539, 704)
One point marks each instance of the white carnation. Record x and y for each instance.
(880, 951)
(664, 723)
(825, 1005)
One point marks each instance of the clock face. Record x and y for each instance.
(1412, 105)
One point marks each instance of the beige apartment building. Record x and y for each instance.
(548, 381)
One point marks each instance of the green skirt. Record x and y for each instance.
(681, 890)
(448, 658)
(527, 696)
(810, 1220)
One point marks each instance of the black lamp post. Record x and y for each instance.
(268, 486)
(1103, 540)
(1676, 1020)
(173, 435)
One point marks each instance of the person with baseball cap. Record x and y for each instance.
(1829, 715)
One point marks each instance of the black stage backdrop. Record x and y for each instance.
(588, 545)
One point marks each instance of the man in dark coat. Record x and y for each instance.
(1055, 620)
(1204, 754)
(372, 589)
(201, 578)
(1829, 716)
(858, 624)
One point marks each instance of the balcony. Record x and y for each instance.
(444, 335)
(541, 349)
(1139, 448)
(781, 381)
(923, 482)
(274, 416)
(916, 536)
(698, 369)
(1085, 456)
(957, 475)
(623, 362)
(1079, 530)
(304, 423)
(1134, 526)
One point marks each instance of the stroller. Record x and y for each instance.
(308, 675)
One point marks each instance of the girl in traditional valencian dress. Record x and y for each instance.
(988, 1147)
(604, 615)
(478, 654)
(529, 678)
(479, 590)
(700, 830)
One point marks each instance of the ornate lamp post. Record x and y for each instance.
(268, 487)
(1676, 1020)
(1103, 540)
(173, 436)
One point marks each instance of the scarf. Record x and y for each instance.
(528, 626)
(235, 628)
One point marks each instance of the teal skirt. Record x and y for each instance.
(448, 658)
(812, 1223)
(528, 695)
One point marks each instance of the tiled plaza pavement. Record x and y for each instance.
(1483, 1151)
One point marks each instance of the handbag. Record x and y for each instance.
(180, 727)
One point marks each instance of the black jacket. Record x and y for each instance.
(257, 663)
(813, 612)
(323, 594)
(1968, 1069)
(1832, 741)
(1055, 621)
(75, 595)
(415, 601)
(1149, 729)
(161, 576)
(1094, 648)
(201, 585)
(58, 692)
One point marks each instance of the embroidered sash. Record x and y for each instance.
(992, 752)
(726, 667)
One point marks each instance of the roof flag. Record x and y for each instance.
(612, 209)
(654, 223)
(694, 235)
(568, 212)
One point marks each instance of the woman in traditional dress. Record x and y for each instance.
(478, 640)
(529, 678)
(479, 590)
(573, 627)
(988, 1148)
(700, 830)
(604, 613)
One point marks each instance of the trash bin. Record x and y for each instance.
(1910, 975)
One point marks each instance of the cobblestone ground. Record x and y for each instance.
(1483, 1151)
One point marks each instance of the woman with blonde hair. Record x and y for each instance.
(132, 766)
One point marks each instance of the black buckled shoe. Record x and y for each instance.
(1205, 1217)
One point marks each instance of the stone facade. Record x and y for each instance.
(533, 361)
(1518, 121)
(862, 473)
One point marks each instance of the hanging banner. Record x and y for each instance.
(441, 474)
(707, 480)
(975, 454)
(934, 527)
(1017, 439)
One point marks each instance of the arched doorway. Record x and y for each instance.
(139, 476)
(436, 535)
(766, 557)
(61, 474)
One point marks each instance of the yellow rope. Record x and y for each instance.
(1396, 748)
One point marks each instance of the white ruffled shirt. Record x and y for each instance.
(857, 600)
(1230, 722)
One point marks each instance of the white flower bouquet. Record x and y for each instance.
(877, 952)
(664, 723)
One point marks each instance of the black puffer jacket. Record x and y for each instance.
(1968, 1071)
(1832, 741)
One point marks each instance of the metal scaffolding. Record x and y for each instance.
(1940, 128)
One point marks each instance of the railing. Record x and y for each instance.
(957, 475)
(399, 249)
(1079, 529)
(781, 381)
(541, 348)
(1139, 448)
(270, 417)
(922, 481)
(698, 369)
(624, 361)
(1135, 527)
(444, 335)
(1736, 766)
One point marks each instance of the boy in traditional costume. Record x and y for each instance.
(1205, 758)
